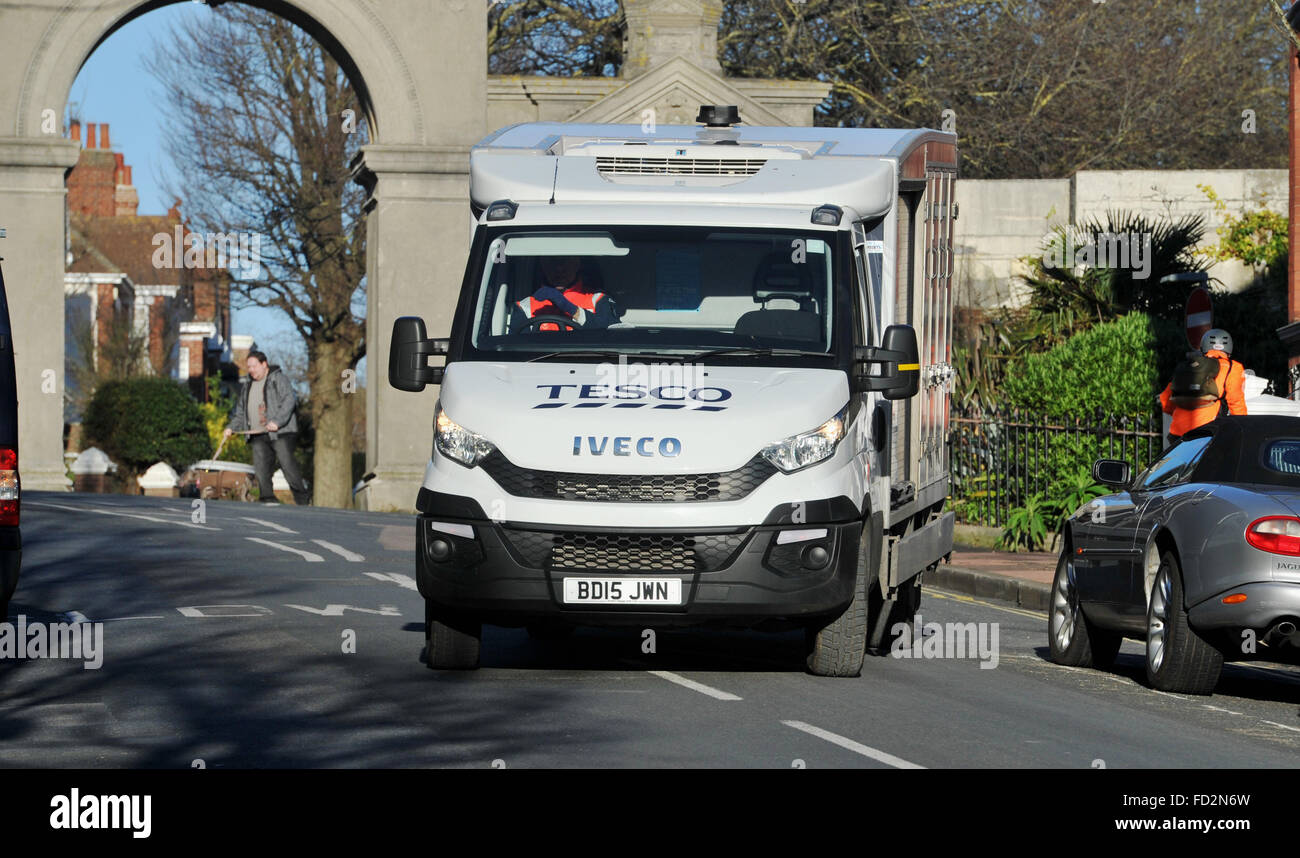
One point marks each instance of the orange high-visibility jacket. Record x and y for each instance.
(1231, 384)
(588, 302)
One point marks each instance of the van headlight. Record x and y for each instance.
(458, 443)
(809, 448)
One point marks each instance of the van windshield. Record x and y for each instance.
(663, 290)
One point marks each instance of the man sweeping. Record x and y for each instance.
(267, 411)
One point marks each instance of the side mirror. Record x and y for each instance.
(1112, 472)
(408, 361)
(900, 360)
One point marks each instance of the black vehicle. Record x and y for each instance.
(10, 537)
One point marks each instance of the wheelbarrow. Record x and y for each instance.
(217, 480)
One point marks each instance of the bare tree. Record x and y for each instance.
(109, 350)
(264, 124)
(1037, 88)
(555, 37)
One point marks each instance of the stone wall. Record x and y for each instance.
(1003, 220)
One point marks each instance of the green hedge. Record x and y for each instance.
(1116, 366)
(140, 421)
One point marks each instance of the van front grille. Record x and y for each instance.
(627, 488)
(577, 551)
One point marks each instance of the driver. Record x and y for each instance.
(564, 294)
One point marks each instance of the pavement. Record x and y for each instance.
(1023, 579)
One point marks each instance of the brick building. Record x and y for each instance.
(119, 278)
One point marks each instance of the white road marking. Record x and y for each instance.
(395, 578)
(270, 524)
(152, 518)
(73, 617)
(350, 556)
(198, 611)
(856, 747)
(337, 610)
(1219, 709)
(1283, 726)
(306, 555)
(694, 686)
(115, 619)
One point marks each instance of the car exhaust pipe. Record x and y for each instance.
(1284, 631)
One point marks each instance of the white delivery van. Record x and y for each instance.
(696, 375)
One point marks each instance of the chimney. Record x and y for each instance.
(126, 201)
(74, 131)
(128, 176)
(103, 135)
(90, 135)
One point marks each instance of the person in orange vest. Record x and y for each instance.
(563, 292)
(1189, 397)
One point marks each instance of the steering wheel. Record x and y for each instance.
(552, 316)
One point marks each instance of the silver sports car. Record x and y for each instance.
(1198, 555)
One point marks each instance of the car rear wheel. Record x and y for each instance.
(1073, 640)
(453, 641)
(839, 647)
(1178, 659)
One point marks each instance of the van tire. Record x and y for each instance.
(453, 642)
(839, 647)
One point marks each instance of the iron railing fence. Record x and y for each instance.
(1001, 458)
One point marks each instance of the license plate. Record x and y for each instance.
(622, 591)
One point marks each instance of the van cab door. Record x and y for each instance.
(868, 298)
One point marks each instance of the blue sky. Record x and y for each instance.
(113, 87)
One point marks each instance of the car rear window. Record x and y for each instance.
(1283, 456)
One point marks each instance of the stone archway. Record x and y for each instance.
(421, 67)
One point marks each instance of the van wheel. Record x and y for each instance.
(1178, 659)
(453, 641)
(838, 648)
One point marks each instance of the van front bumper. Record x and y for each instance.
(512, 574)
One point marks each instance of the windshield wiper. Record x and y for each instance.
(610, 355)
(757, 352)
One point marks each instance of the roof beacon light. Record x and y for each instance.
(827, 215)
(502, 210)
(719, 115)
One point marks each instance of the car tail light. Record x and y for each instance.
(1277, 534)
(8, 487)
